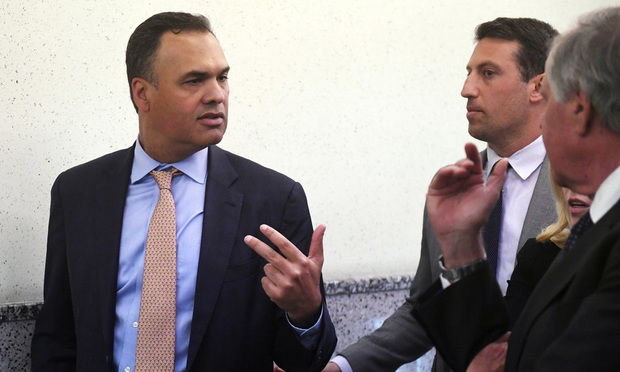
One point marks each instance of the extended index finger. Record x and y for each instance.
(263, 250)
(288, 249)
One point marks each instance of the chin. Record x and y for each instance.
(213, 140)
(212, 137)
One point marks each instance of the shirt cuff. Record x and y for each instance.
(342, 363)
(308, 337)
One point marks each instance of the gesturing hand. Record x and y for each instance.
(292, 280)
(459, 203)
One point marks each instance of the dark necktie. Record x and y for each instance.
(492, 229)
(579, 229)
(491, 233)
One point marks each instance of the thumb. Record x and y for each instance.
(316, 246)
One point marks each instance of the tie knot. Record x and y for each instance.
(164, 178)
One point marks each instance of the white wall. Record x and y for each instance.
(356, 99)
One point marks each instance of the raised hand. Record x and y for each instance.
(292, 280)
(459, 203)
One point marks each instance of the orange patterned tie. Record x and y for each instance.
(156, 324)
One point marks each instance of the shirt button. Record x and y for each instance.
(127, 369)
(135, 325)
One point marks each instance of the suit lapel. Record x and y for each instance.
(222, 214)
(541, 210)
(110, 199)
(558, 278)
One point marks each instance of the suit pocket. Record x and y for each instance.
(249, 269)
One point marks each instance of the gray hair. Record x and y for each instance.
(587, 59)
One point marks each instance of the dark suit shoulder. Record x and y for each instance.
(250, 175)
(244, 165)
(111, 162)
(533, 261)
(536, 257)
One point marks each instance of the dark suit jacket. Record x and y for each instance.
(534, 259)
(235, 326)
(570, 323)
(401, 339)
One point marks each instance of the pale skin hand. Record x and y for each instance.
(459, 203)
(492, 358)
(292, 280)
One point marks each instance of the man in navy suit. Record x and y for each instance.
(571, 322)
(230, 315)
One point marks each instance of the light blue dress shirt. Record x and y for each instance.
(189, 195)
(188, 190)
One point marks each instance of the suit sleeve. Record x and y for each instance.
(290, 354)
(400, 339)
(463, 318)
(54, 341)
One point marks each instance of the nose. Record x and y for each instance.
(470, 88)
(215, 92)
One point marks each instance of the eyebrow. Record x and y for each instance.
(203, 74)
(484, 64)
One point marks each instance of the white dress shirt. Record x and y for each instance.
(517, 192)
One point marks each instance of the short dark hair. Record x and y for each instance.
(534, 38)
(145, 40)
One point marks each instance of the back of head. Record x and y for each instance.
(534, 38)
(144, 41)
(587, 59)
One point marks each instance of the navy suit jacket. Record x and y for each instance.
(235, 326)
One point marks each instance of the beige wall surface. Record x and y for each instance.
(356, 99)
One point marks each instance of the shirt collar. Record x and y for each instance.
(524, 162)
(606, 196)
(194, 166)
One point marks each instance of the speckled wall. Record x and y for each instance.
(356, 99)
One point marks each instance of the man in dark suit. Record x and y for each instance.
(572, 319)
(228, 315)
(504, 109)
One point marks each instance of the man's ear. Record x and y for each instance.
(140, 93)
(582, 111)
(535, 84)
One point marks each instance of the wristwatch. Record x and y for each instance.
(460, 272)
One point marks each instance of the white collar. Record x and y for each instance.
(524, 162)
(606, 196)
